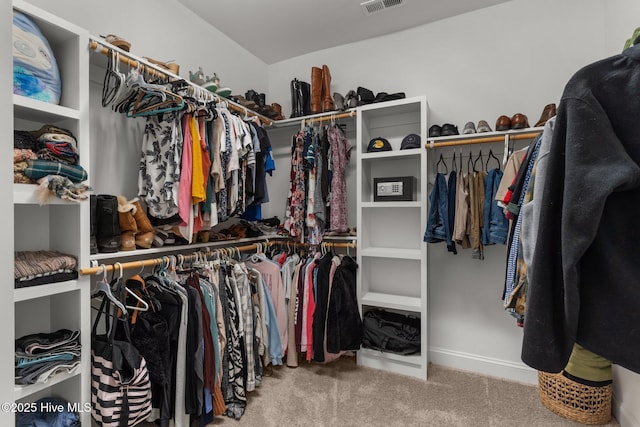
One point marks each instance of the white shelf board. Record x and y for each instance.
(398, 302)
(20, 392)
(39, 291)
(381, 252)
(393, 153)
(24, 194)
(413, 204)
(45, 112)
(297, 120)
(179, 248)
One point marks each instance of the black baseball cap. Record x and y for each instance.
(378, 144)
(410, 141)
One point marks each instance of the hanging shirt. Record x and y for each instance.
(341, 155)
(159, 174)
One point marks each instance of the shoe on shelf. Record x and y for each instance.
(107, 223)
(435, 131)
(468, 128)
(365, 96)
(197, 77)
(351, 99)
(448, 129)
(144, 236)
(503, 123)
(338, 101)
(548, 112)
(519, 121)
(483, 126)
(117, 42)
(169, 65)
(128, 226)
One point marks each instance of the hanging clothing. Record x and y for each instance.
(437, 229)
(496, 224)
(582, 286)
(340, 157)
(160, 164)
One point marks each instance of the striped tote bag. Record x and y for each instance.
(120, 386)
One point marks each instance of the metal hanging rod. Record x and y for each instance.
(316, 118)
(101, 46)
(105, 268)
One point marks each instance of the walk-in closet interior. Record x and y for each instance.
(217, 196)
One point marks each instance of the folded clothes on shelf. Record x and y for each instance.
(41, 267)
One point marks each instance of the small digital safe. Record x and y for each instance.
(394, 189)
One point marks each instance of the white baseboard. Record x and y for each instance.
(622, 414)
(483, 365)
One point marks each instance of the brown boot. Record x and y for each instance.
(327, 100)
(316, 90)
(278, 110)
(145, 235)
(128, 226)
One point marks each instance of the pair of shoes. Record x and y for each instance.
(351, 99)
(548, 112)
(135, 227)
(470, 128)
(321, 100)
(168, 65)
(446, 129)
(117, 42)
(518, 121)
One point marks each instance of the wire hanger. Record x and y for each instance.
(441, 160)
(492, 156)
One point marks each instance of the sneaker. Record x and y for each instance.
(483, 126)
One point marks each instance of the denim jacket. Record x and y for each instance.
(438, 220)
(496, 225)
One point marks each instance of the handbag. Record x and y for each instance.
(120, 386)
(391, 332)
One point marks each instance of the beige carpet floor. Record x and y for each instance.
(343, 394)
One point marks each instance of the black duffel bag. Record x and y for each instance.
(391, 332)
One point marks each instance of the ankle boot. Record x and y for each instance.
(295, 94)
(278, 111)
(305, 98)
(327, 100)
(93, 244)
(144, 238)
(107, 223)
(316, 90)
(128, 226)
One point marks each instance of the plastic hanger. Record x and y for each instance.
(441, 160)
(145, 306)
(476, 161)
(104, 287)
(469, 163)
(454, 164)
(492, 156)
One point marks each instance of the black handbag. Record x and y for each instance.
(391, 332)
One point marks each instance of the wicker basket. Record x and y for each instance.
(574, 401)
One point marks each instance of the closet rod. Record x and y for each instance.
(329, 117)
(158, 261)
(497, 138)
(105, 48)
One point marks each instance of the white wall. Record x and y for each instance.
(513, 57)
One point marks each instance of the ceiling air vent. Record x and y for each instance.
(375, 6)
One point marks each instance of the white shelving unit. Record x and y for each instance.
(392, 258)
(59, 225)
